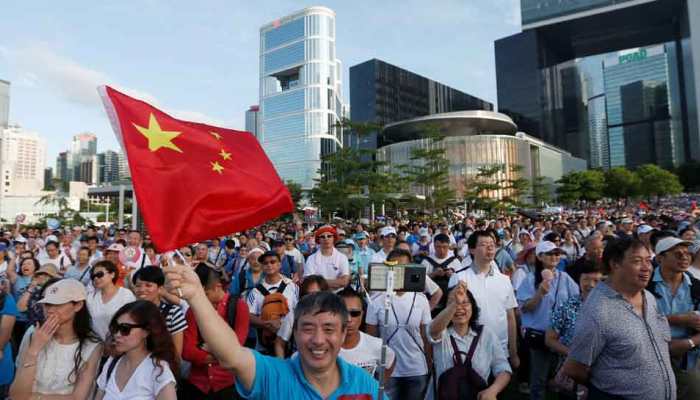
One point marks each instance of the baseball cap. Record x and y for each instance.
(48, 269)
(3, 247)
(668, 243)
(423, 232)
(118, 247)
(51, 238)
(360, 235)
(277, 243)
(642, 229)
(387, 230)
(20, 239)
(522, 256)
(325, 229)
(64, 291)
(255, 250)
(544, 247)
(626, 221)
(340, 232)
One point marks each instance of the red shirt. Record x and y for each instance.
(210, 377)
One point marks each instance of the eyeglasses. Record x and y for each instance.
(288, 239)
(99, 274)
(326, 237)
(681, 255)
(355, 313)
(124, 328)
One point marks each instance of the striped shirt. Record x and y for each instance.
(174, 318)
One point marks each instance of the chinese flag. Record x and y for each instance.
(193, 181)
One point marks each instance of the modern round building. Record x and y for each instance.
(475, 139)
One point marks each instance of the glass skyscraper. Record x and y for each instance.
(300, 93)
(4, 103)
(611, 81)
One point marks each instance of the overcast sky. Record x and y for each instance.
(199, 60)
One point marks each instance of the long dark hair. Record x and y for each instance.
(82, 325)
(159, 342)
(539, 266)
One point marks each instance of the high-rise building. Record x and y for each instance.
(22, 161)
(83, 149)
(601, 78)
(48, 178)
(108, 162)
(252, 120)
(123, 166)
(89, 170)
(62, 167)
(4, 103)
(382, 93)
(301, 101)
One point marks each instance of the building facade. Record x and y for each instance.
(382, 93)
(22, 161)
(252, 120)
(586, 75)
(301, 102)
(475, 139)
(4, 103)
(108, 166)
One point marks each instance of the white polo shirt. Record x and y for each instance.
(494, 295)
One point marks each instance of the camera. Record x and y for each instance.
(407, 277)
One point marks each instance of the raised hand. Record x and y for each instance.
(43, 334)
(182, 281)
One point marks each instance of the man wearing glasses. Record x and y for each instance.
(328, 261)
(677, 298)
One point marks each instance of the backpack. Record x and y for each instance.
(442, 281)
(461, 382)
(274, 307)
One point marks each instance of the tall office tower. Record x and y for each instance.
(4, 103)
(108, 162)
(301, 100)
(123, 166)
(252, 120)
(83, 148)
(578, 73)
(48, 178)
(22, 161)
(382, 93)
(62, 167)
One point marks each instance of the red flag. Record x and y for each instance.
(193, 181)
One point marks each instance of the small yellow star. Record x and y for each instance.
(158, 138)
(216, 135)
(225, 155)
(215, 166)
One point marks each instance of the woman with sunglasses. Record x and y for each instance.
(143, 368)
(60, 356)
(107, 297)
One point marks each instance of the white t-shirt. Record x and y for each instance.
(145, 383)
(256, 299)
(62, 261)
(407, 342)
(454, 264)
(494, 295)
(286, 326)
(102, 313)
(367, 354)
(54, 364)
(330, 267)
(294, 252)
(379, 257)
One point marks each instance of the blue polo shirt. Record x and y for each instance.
(560, 289)
(284, 379)
(681, 303)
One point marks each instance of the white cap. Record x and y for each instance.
(694, 248)
(51, 238)
(64, 291)
(525, 232)
(668, 243)
(627, 221)
(423, 232)
(20, 239)
(118, 247)
(387, 230)
(545, 246)
(642, 229)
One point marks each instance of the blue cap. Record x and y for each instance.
(3, 246)
(360, 235)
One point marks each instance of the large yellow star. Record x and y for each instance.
(215, 166)
(225, 155)
(158, 138)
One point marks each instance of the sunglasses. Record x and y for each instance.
(99, 274)
(355, 313)
(124, 328)
(288, 239)
(326, 237)
(187, 254)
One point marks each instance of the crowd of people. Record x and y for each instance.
(590, 304)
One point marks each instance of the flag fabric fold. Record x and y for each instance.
(193, 181)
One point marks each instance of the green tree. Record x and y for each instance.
(541, 191)
(621, 183)
(689, 175)
(295, 191)
(491, 189)
(657, 181)
(429, 170)
(581, 185)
